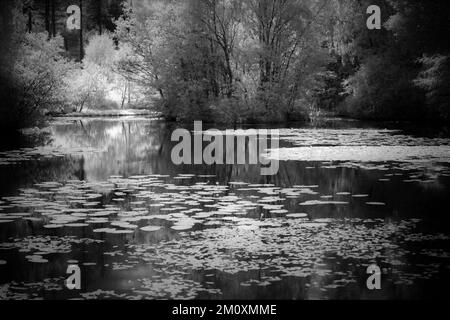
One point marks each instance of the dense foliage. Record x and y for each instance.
(224, 60)
(271, 60)
(400, 71)
(37, 79)
(33, 76)
(235, 61)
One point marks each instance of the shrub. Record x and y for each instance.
(434, 79)
(381, 89)
(230, 111)
(87, 87)
(100, 51)
(35, 80)
(97, 84)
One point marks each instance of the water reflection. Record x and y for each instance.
(104, 194)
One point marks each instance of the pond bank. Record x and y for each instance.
(111, 113)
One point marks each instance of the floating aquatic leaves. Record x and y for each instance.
(30, 290)
(356, 137)
(367, 149)
(183, 233)
(36, 259)
(76, 225)
(297, 215)
(319, 202)
(363, 153)
(182, 227)
(376, 203)
(37, 246)
(151, 228)
(104, 230)
(305, 246)
(53, 226)
(51, 151)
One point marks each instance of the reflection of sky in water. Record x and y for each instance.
(105, 195)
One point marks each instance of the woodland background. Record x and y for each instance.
(230, 61)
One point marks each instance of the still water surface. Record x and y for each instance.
(105, 195)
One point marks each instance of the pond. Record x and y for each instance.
(104, 194)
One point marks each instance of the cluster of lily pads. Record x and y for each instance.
(154, 203)
(277, 252)
(356, 137)
(191, 231)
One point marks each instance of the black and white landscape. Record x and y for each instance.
(136, 136)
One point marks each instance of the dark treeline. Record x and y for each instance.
(232, 60)
(400, 72)
(40, 73)
(51, 15)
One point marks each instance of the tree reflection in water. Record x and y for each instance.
(224, 231)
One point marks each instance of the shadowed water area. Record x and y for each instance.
(104, 194)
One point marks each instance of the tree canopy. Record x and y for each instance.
(246, 60)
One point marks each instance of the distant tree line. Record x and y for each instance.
(50, 15)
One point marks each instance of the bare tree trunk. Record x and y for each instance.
(129, 92)
(82, 105)
(100, 16)
(53, 18)
(30, 19)
(124, 96)
(47, 17)
(81, 31)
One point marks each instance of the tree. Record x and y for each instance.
(379, 69)
(199, 53)
(100, 77)
(34, 79)
(434, 79)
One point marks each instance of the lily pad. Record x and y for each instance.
(297, 215)
(151, 228)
